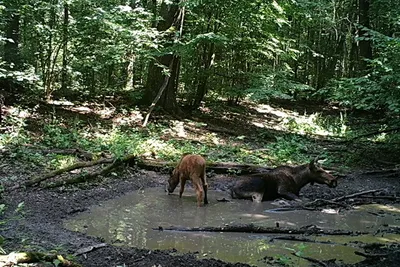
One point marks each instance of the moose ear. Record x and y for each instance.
(313, 163)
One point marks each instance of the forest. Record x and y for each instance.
(344, 52)
(95, 94)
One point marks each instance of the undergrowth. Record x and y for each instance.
(161, 139)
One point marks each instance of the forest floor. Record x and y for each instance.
(38, 226)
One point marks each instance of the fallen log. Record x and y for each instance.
(89, 176)
(32, 257)
(251, 228)
(78, 165)
(221, 167)
(320, 263)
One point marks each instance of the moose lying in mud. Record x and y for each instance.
(283, 181)
(191, 167)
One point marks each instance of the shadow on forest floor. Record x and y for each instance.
(324, 129)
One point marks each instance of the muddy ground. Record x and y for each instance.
(40, 227)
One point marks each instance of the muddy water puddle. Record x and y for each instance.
(128, 221)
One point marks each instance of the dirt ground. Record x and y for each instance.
(41, 225)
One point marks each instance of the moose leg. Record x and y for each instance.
(199, 193)
(183, 182)
(205, 188)
(288, 195)
(257, 197)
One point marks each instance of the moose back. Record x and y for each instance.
(283, 181)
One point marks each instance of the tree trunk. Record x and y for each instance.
(130, 71)
(64, 75)
(48, 78)
(364, 45)
(172, 18)
(201, 91)
(11, 55)
(11, 52)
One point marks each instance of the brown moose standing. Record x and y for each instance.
(191, 167)
(283, 181)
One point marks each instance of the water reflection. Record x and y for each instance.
(128, 221)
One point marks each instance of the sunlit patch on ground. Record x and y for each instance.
(294, 122)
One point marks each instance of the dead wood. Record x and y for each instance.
(32, 257)
(89, 176)
(356, 194)
(322, 202)
(160, 92)
(366, 255)
(315, 204)
(52, 174)
(290, 208)
(394, 198)
(321, 263)
(89, 249)
(300, 239)
(312, 205)
(385, 171)
(222, 167)
(375, 133)
(251, 228)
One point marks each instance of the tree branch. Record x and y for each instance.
(160, 92)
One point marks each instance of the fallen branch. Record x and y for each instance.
(300, 239)
(160, 92)
(78, 165)
(374, 133)
(251, 228)
(289, 208)
(312, 205)
(221, 167)
(360, 253)
(321, 202)
(89, 176)
(321, 263)
(89, 249)
(380, 172)
(32, 257)
(356, 194)
(394, 198)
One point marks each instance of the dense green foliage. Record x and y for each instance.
(340, 51)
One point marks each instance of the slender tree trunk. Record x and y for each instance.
(11, 51)
(207, 62)
(48, 79)
(130, 72)
(364, 45)
(64, 75)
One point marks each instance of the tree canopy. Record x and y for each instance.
(346, 52)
